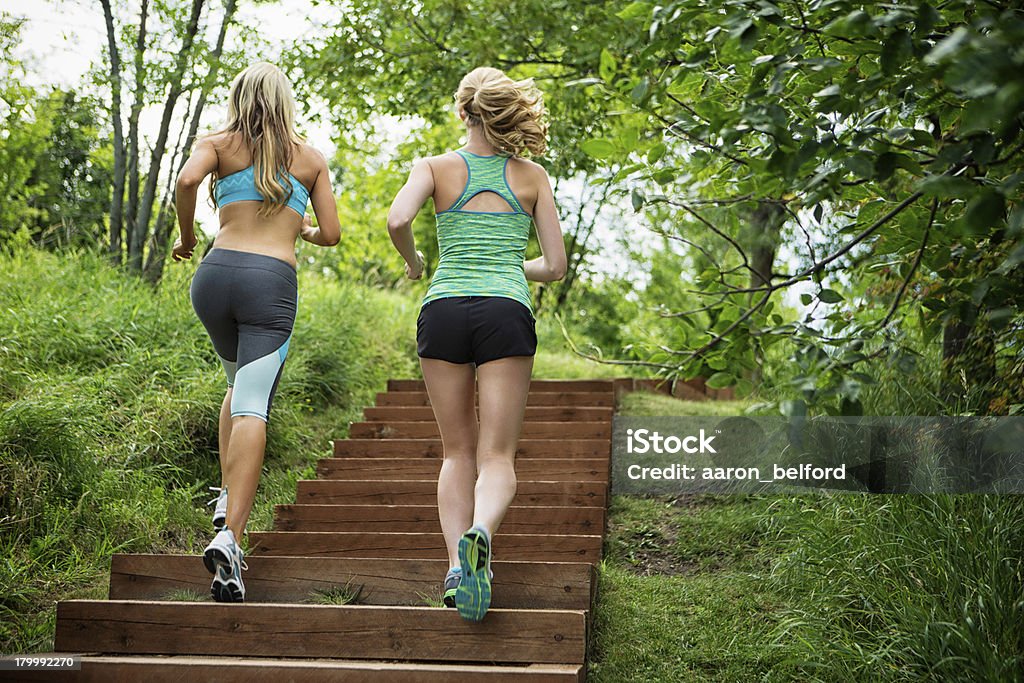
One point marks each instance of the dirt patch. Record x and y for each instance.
(647, 550)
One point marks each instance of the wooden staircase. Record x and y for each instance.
(367, 528)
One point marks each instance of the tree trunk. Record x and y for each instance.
(117, 195)
(157, 256)
(133, 128)
(766, 227)
(968, 361)
(145, 212)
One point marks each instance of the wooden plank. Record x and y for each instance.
(179, 668)
(431, 448)
(543, 398)
(551, 469)
(543, 585)
(530, 430)
(424, 492)
(423, 518)
(426, 546)
(349, 631)
(537, 413)
(542, 385)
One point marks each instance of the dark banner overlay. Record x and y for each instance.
(775, 454)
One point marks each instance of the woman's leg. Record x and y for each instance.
(503, 385)
(241, 470)
(450, 387)
(224, 433)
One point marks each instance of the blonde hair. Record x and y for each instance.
(511, 113)
(261, 109)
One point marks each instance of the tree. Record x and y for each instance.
(845, 148)
(892, 135)
(185, 73)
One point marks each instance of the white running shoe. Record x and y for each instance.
(225, 560)
(220, 511)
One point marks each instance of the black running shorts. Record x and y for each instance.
(475, 329)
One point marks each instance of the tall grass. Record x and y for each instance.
(109, 392)
(906, 587)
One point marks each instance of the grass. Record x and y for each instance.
(109, 392)
(646, 403)
(187, 595)
(348, 594)
(809, 588)
(555, 359)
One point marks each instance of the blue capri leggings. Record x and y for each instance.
(247, 304)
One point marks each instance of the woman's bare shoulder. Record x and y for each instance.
(221, 141)
(311, 156)
(529, 167)
(443, 159)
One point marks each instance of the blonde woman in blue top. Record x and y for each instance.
(245, 290)
(476, 331)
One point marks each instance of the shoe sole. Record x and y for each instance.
(214, 558)
(225, 592)
(473, 596)
(218, 523)
(449, 598)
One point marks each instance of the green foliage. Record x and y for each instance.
(876, 149)
(407, 58)
(54, 167)
(893, 133)
(109, 394)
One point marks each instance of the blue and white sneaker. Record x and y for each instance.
(220, 511)
(451, 584)
(225, 560)
(473, 594)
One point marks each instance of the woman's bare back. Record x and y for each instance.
(241, 226)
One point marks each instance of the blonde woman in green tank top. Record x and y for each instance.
(475, 332)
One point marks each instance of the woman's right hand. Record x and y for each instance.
(181, 251)
(308, 232)
(417, 272)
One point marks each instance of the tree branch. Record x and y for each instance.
(913, 268)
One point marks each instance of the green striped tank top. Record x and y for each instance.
(482, 252)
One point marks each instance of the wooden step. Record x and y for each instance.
(424, 492)
(426, 546)
(346, 631)
(423, 518)
(543, 385)
(551, 469)
(542, 398)
(431, 448)
(544, 585)
(533, 413)
(178, 668)
(530, 430)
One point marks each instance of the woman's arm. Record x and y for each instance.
(200, 164)
(324, 207)
(550, 265)
(407, 204)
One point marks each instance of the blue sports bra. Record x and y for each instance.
(241, 187)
